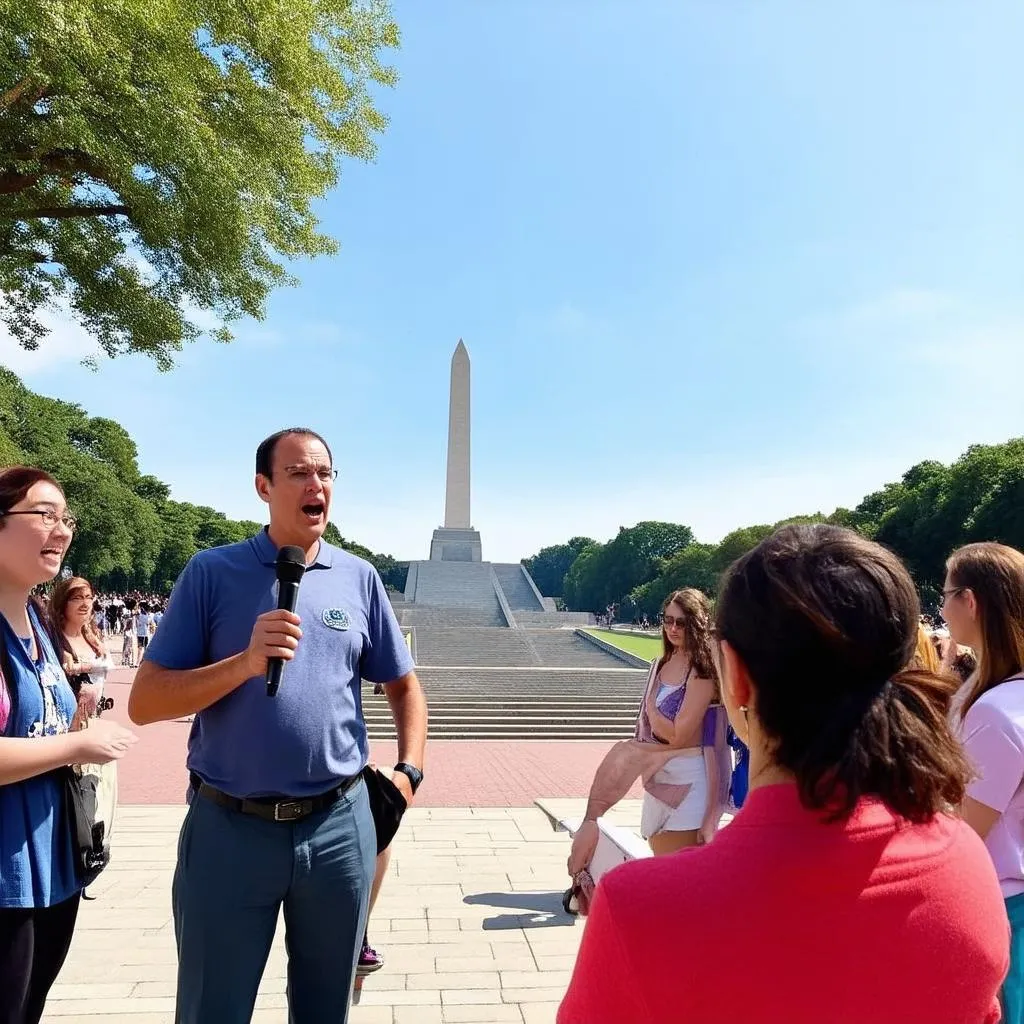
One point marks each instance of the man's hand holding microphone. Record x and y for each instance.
(275, 634)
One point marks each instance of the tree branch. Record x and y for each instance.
(66, 212)
(12, 95)
(18, 91)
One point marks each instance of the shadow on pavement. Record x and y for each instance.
(536, 910)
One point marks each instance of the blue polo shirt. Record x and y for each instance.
(312, 734)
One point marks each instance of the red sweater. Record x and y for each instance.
(783, 919)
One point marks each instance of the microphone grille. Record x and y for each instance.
(291, 564)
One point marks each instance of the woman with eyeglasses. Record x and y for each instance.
(844, 890)
(85, 659)
(983, 605)
(39, 890)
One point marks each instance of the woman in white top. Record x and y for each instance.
(86, 662)
(983, 604)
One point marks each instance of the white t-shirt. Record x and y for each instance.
(993, 737)
(142, 621)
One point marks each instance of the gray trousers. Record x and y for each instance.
(234, 874)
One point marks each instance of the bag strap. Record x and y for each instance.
(7, 680)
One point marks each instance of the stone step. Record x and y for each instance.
(566, 735)
(526, 703)
(516, 588)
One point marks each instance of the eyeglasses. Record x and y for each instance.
(952, 592)
(299, 474)
(672, 620)
(50, 518)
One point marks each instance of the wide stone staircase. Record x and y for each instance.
(520, 703)
(471, 645)
(516, 588)
(495, 664)
(413, 616)
(565, 648)
(461, 645)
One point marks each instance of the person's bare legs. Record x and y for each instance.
(663, 843)
(383, 860)
(370, 960)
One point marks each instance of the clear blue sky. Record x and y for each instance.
(714, 262)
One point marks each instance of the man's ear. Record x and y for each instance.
(263, 488)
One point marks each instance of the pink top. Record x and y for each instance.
(5, 703)
(993, 736)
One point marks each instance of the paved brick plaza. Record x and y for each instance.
(477, 773)
(470, 917)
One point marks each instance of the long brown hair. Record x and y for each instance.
(826, 623)
(994, 573)
(62, 594)
(697, 632)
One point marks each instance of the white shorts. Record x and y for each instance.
(658, 817)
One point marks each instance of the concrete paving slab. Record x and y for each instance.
(472, 933)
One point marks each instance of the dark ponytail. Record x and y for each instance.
(825, 622)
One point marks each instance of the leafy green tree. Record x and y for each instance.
(636, 555)
(549, 566)
(161, 158)
(132, 534)
(694, 566)
(736, 544)
(583, 589)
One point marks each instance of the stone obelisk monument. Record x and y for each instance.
(457, 541)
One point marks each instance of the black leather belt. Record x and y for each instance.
(272, 808)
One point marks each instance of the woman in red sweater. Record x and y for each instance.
(843, 891)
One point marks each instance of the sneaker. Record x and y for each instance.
(369, 960)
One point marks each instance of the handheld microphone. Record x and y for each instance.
(291, 564)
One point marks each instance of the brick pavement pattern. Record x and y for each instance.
(470, 921)
(460, 773)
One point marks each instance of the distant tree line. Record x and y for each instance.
(132, 534)
(933, 509)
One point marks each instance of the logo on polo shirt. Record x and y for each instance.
(336, 618)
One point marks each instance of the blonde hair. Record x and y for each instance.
(925, 655)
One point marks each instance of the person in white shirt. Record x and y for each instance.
(143, 622)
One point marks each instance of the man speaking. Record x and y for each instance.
(279, 814)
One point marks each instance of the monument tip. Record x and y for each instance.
(460, 349)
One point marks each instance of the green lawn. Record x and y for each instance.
(647, 647)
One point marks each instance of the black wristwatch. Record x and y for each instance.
(412, 773)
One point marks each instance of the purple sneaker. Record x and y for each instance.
(369, 961)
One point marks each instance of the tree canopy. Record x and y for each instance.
(132, 534)
(933, 509)
(159, 159)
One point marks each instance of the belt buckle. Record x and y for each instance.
(290, 810)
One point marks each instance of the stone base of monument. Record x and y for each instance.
(455, 545)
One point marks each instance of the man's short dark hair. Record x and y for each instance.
(265, 451)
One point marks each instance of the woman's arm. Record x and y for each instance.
(699, 694)
(979, 816)
(22, 759)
